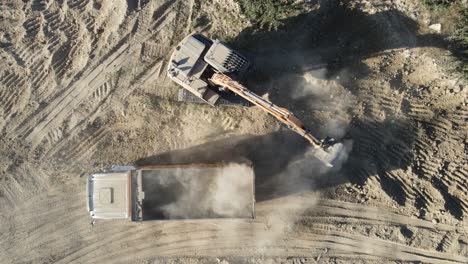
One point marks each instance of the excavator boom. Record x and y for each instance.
(283, 115)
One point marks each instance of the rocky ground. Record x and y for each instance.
(83, 86)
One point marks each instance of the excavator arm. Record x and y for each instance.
(325, 152)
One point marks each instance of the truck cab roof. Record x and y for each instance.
(109, 195)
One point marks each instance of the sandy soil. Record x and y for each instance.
(83, 86)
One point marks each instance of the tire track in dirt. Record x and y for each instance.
(83, 148)
(366, 214)
(25, 53)
(56, 133)
(58, 110)
(14, 94)
(45, 207)
(446, 178)
(123, 241)
(42, 40)
(86, 147)
(13, 187)
(360, 245)
(52, 17)
(209, 243)
(447, 242)
(147, 76)
(118, 96)
(56, 221)
(397, 133)
(79, 5)
(124, 237)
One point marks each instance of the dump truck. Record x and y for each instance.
(211, 72)
(193, 191)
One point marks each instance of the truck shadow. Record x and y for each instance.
(268, 154)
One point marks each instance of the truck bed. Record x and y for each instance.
(193, 192)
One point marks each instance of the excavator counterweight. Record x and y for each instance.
(212, 71)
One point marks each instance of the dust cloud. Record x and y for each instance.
(227, 194)
(298, 178)
(329, 102)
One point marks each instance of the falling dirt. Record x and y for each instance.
(83, 86)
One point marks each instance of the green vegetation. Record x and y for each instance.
(267, 14)
(437, 3)
(460, 38)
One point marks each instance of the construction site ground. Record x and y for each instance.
(83, 86)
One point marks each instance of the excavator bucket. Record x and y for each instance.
(332, 155)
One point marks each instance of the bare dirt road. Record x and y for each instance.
(83, 86)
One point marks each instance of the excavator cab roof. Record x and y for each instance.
(187, 57)
(197, 58)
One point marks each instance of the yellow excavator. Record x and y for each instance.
(210, 72)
